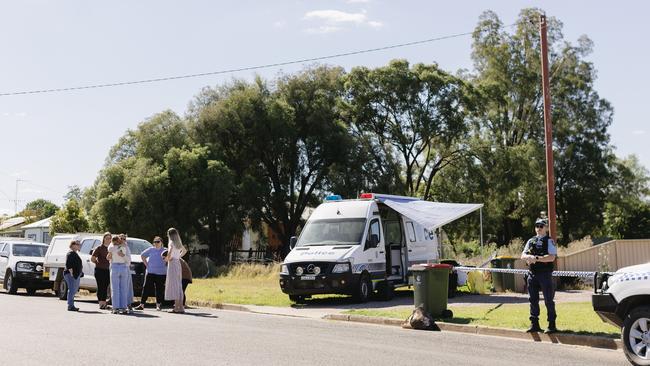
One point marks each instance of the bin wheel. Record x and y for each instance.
(364, 289)
(446, 314)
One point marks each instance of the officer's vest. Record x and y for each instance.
(533, 249)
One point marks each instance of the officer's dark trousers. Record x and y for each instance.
(537, 281)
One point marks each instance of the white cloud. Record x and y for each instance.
(280, 24)
(31, 190)
(334, 20)
(323, 29)
(20, 114)
(639, 132)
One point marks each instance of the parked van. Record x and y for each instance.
(59, 247)
(363, 245)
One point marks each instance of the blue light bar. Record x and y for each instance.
(334, 197)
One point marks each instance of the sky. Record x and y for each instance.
(51, 141)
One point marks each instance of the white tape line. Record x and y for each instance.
(584, 274)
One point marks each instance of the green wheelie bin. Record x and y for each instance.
(430, 288)
(503, 282)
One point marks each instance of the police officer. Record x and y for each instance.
(539, 253)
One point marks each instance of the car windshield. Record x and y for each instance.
(137, 246)
(332, 232)
(27, 250)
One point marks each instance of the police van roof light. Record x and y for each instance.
(334, 197)
(366, 196)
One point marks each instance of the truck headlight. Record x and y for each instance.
(24, 267)
(341, 268)
(284, 269)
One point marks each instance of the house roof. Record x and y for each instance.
(14, 221)
(39, 224)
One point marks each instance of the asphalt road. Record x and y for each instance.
(39, 331)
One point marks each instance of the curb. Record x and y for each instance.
(558, 338)
(211, 305)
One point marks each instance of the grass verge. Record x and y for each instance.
(576, 318)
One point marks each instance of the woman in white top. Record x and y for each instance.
(173, 282)
(120, 259)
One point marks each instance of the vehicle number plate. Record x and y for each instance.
(309, 278)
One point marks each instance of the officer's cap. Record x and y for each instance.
(541, 221)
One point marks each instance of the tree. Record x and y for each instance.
(280, 143)
(69, 219)
(74, 193)
(39, 209)
(417, 113)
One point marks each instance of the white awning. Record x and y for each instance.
(431, 215)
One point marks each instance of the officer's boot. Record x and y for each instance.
(551, 327)
(534, 326)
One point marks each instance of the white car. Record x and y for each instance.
(623, 299)
(21, 265)
(59, 247)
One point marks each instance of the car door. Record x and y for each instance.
(3, 260)
(88, 280)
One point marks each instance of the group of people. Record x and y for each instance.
(167, 274)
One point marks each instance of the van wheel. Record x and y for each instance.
(63, 290)
(364, 290)
(10, 283)
(636, 336)
(385, 291)
(298, 299)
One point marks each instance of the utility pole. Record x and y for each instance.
(548, 130)
(16, 197)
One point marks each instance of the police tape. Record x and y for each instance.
(581, 274)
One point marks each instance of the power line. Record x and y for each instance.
(248, 68)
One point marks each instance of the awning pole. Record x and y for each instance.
(480, 215)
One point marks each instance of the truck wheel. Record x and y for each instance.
(10, 283)
(298, 299)
(385, 291)
(364, 289)
(63, 290)
(636, 336)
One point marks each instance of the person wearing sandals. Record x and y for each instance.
(173, 283)
(73, 273)
(102, 270)
(156, 274)
(120, 262)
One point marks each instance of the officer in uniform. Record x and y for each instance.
(539, 253)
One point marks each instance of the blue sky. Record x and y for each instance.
(52, 141)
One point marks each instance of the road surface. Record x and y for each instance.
(39, 331)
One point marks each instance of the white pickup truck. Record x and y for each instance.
(623, 299)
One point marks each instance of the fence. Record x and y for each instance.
(609, 256)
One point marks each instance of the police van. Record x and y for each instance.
(359, 246)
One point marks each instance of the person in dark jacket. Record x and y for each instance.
(186, 277)
(539, 253)
(73, 273)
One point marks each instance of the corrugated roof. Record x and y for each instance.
(39, 224)
(14, 221)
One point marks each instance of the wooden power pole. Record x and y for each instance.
(548, 130)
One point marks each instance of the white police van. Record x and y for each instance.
(359, 246)
(623, 299)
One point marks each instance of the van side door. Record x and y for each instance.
(374, 249)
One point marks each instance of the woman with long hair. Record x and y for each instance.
(102, 269)
(120, 262)
(173, 282)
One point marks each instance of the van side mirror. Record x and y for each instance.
(292, 242)
(372, 242)
(4, 254)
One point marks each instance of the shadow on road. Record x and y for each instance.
(201, 315)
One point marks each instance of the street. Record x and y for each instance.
(39, 331)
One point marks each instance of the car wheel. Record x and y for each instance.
(31, 291)
(364, 289)
(63, 290)
(636, 336)
(10, 283)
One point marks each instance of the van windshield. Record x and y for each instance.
(29, 250)
(332, 232)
